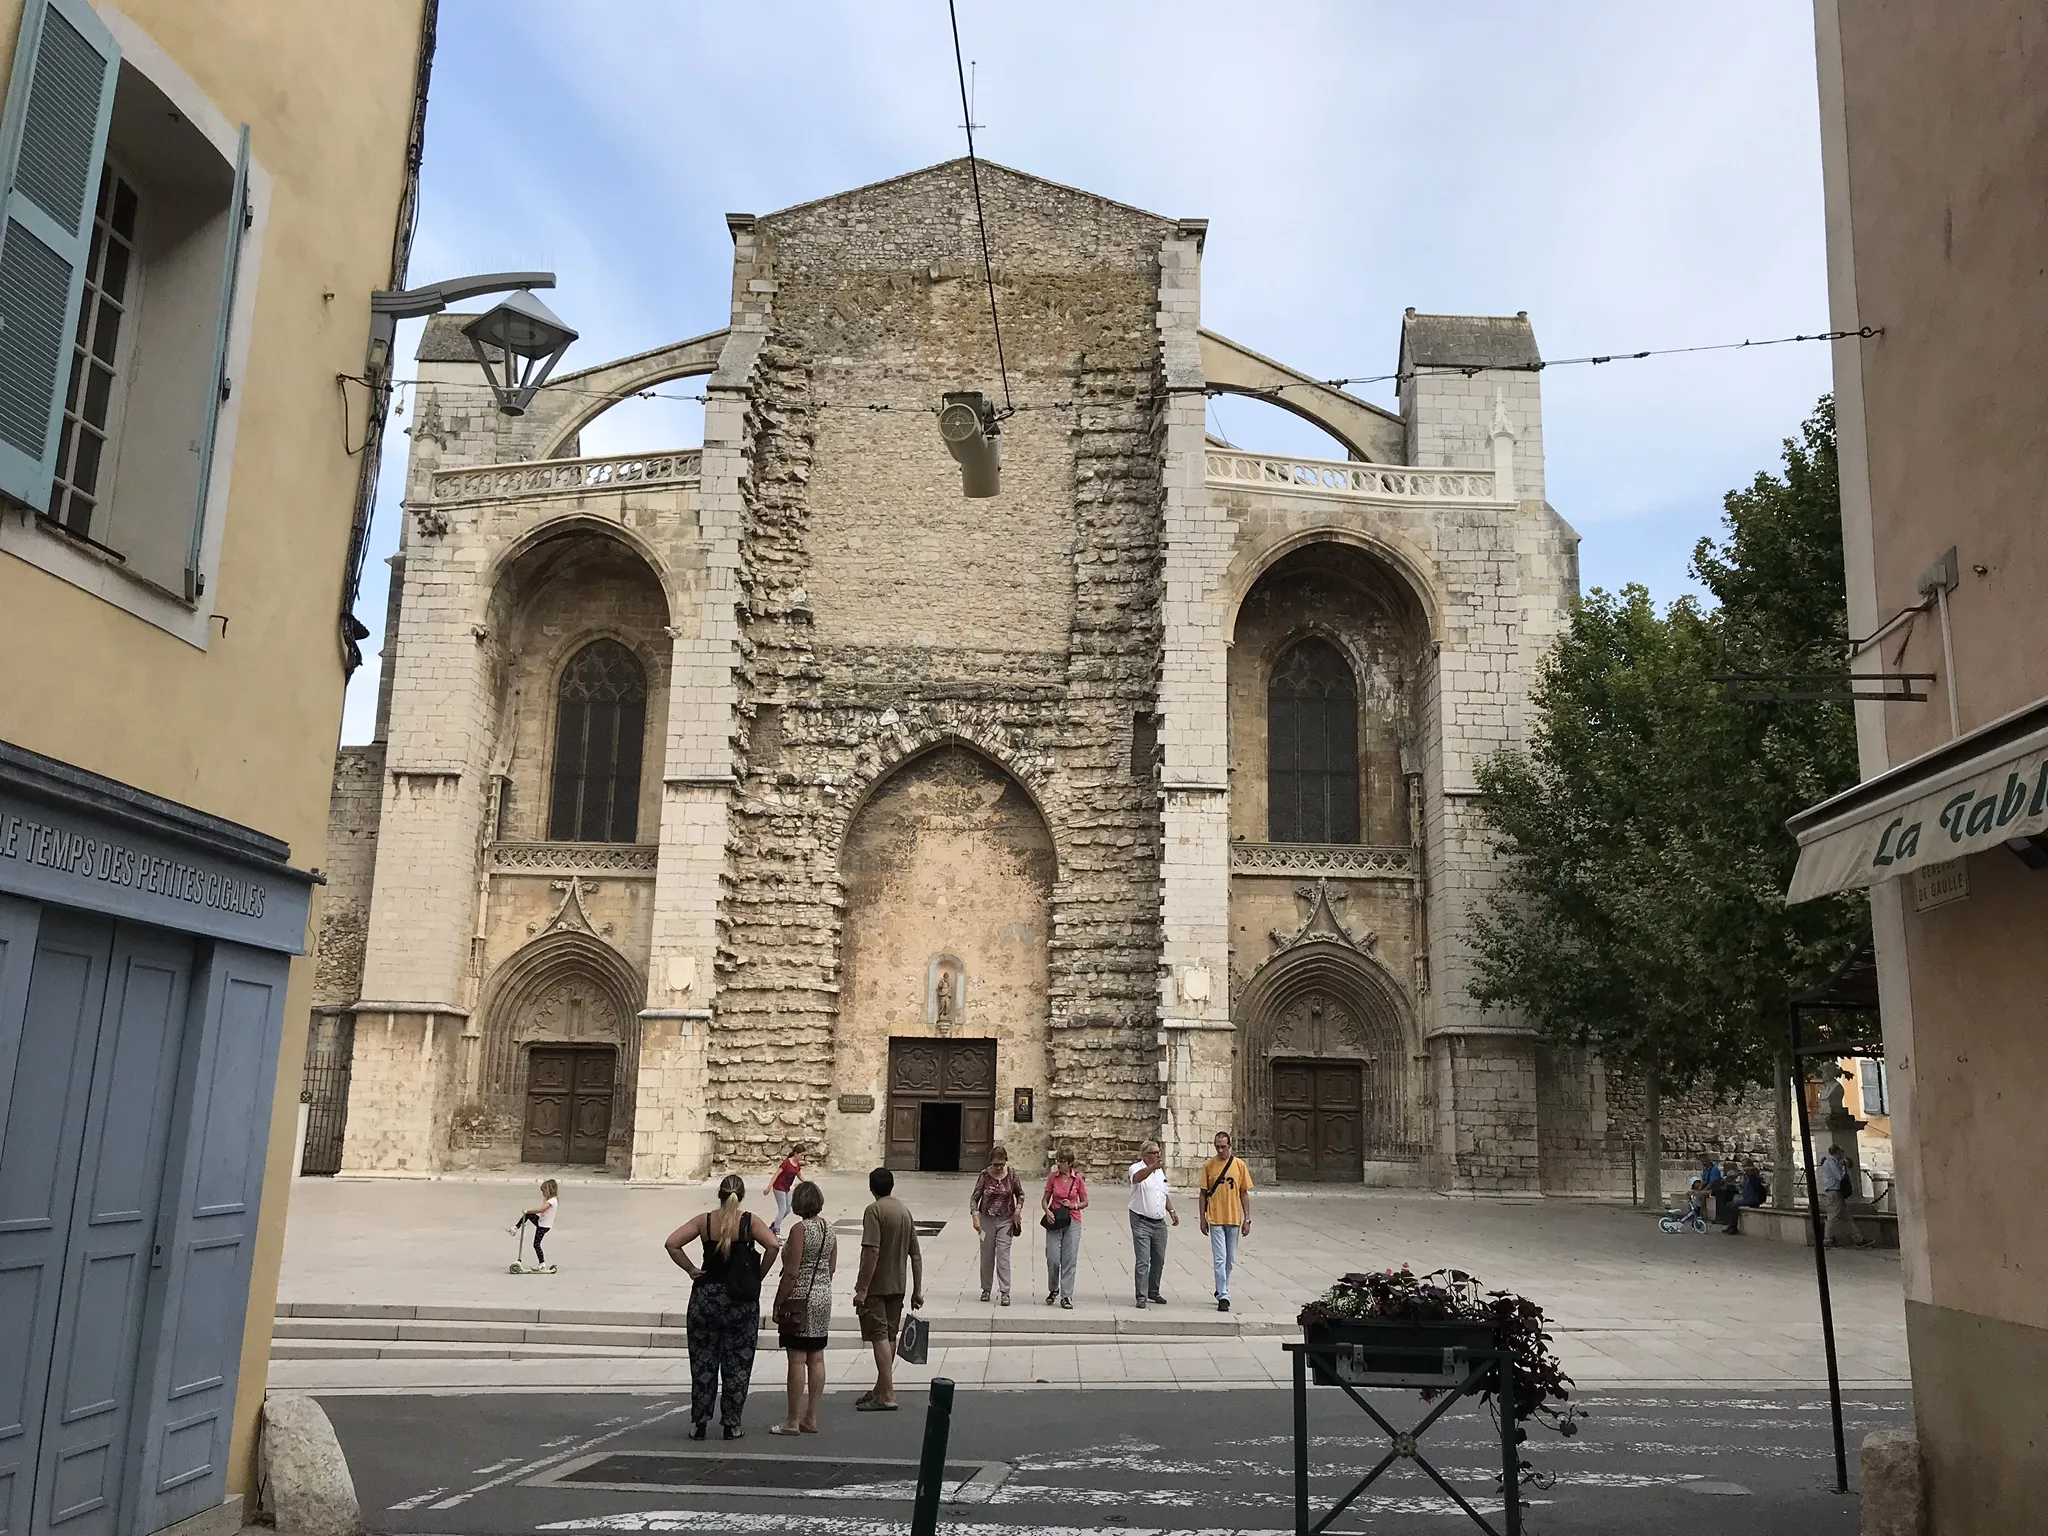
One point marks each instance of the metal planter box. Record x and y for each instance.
(1397, 1353)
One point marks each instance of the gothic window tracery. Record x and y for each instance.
(600, 722)
(1312, 747)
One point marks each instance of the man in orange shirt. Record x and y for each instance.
(1226, 1212)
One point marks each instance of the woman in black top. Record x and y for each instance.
(725, 1305)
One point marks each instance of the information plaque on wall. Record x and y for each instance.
(856, 1103)
(1020, 1106)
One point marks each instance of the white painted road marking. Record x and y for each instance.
(830, 1525)
(526, 1468)
(419, 1498)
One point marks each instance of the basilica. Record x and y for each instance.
(777, 791)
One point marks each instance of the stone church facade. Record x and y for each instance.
(771, 792)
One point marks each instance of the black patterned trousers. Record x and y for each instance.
(722, 1334)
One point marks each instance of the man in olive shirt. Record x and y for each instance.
(888, 1237)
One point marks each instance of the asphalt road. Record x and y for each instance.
(1056, 1463)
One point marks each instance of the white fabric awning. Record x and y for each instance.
(1973, 794)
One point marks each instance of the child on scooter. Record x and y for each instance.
(543, 1218)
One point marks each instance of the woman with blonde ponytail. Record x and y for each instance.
(725, 1304)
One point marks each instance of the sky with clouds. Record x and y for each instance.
(1633, 176)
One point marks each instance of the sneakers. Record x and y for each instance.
(1222, 1303)
(1067, 1302)
(1051, 1297)
(1006, 1298)
(984, 1295)
(1141, 1303)
(1156, 1299)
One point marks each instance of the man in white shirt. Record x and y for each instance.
(1151, 1209)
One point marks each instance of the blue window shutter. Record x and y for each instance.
(239, 219)
(52, 140)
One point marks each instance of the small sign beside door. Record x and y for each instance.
(1021, 1106)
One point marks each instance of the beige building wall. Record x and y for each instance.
(1934, 131)
(244, 725)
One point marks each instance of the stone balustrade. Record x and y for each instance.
(567, 477)
(1346, 477)
(617, 859)
(1353, 861)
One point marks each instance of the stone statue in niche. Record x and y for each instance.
(945, 993)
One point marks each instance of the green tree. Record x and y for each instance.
(1641, 911)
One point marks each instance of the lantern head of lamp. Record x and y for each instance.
(967, 421)
(517, 342)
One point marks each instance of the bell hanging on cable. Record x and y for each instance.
(967, 421)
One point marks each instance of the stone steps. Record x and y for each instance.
(359, 1330)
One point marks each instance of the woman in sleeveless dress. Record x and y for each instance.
(803, 1307)
(725, 1305)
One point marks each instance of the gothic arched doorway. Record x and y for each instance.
(558, 1060)
(1327, 1087)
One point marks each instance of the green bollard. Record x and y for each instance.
(931, 1466)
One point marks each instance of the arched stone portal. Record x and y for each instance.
(1328, 1082)
(948, 871)
(558, 1056)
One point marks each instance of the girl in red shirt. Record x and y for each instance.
(786, 1177)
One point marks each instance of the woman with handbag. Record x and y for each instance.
(997, 1210)
(725, 1305)
(803, 1307)
(1065, 1198)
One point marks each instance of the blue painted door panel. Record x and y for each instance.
(212, 1196)
(54, 1034)
(89, 1418)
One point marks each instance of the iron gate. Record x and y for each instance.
(330, 1047)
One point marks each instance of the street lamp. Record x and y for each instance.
(519, 327)
(525, 339)
(967, 422)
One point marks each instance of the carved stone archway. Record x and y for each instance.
(1324, 997)
(567, 987)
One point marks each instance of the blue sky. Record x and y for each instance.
(1633, 176)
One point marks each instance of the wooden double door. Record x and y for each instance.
(569, 1103)
(1318, 1122)
(942, 1104)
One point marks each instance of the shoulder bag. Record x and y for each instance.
(743, 1269)
(1209, 1193)
(1059, 1218)
(793, 1312)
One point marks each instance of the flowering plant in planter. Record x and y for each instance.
(1542, 1389)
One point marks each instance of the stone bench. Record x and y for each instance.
(1773, 1225)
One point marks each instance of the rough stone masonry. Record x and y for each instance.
(771, 792)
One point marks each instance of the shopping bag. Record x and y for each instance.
(916, 1340)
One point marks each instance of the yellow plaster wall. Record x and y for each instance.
(247, 728)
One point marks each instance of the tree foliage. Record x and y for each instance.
(1642, 829)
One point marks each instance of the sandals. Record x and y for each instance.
(777, 1429)
(871, 1406)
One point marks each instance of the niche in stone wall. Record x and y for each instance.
(946, 993)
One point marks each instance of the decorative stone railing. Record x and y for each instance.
(572, 858)
(567, 477)
(1345, 477)
(1354, 861)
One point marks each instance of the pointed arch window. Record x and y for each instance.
(1312, 747)
(600, 723)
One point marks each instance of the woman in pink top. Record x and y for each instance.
(786, 1178)
(1065, 1198)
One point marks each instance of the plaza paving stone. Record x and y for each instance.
(1630, 1306)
